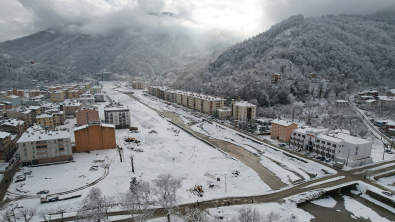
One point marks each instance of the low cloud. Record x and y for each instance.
(217, 21)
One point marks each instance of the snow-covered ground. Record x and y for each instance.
(377, 151)
(388, 182)
(166, 151)
(325, 202)
(360, 210)
(286, 211)
(286, 167)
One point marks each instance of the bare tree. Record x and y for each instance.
(94, 207)
(247, 214)
(272, 217)
(166, 187)
(7, 216)
(138, 200)
(46, 214)
(61, 210)
(27, 213)
(193, 215)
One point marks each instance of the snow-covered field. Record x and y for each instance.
(286, 167)
(182, 155)
(359, 210)
(325, 202)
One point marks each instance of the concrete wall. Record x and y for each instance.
(94, 137)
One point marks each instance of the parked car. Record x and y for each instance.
(328, 160)
(322, 158)
(53, 199)
(43, 192)
(387, 193)
(94, 168)
(318, 157)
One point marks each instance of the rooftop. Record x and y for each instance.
(4, 135)
(36, 133)
(351, 139)
(86, 126)
(243, 103)
(329, 138)
(282, 122)
(341, 101)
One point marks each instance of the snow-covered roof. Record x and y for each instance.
(243, 103)
(390, 123)
(4, 135)
(351, 139)
(371, 101)
(366, 96)
(329, 138)
(386, 98)
(72, 104)
(392, 91)
(341, 101)
(40, 135)
(11, 97)
(86, 126)
(282, 122)
(342, 131)
(33, 107)
(45, 115)
(12, 122)
(302, 130)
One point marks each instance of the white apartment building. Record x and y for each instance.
(38, 146)
(118, 116)
(341, 147)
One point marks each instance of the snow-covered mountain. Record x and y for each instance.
(347, 52)
(120, 52)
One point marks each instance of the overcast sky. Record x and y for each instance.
(233, 19)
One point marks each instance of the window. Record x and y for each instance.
(339, 151)
(323, 142)
(318, 141)
(334, 145)
(328, 144)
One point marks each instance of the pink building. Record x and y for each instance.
(86, 115)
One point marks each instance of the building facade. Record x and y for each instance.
(281, 130)
(341, 147)
(94, 137)
(87, 115)
(38, 146)
(243, 111)
(118, 116)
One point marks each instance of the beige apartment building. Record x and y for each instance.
(243, 111)
(57, 96)
(38, 146)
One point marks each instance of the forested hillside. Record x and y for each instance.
(347, 52)
(120, 52)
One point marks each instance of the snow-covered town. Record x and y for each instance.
(133, 145)
(197, 111)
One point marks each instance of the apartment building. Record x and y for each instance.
(385, 101)
(70, 108)
(118, 116)
(99, 97)
(87, 115)
(39, 146)
(138, 85)
(224, 113)
(366, 95)
(13, 99)
(73, 94)
(339, 146)
(45, 120)
(281, 130)
(243, 111)
(391, 93)
(24, 114)
(34, 110)
(5, 144)
(95, 89)
(94, 137)
(86, 100)
(57, 96)
(13, 126)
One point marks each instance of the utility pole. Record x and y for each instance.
(348, 156)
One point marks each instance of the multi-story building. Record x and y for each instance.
(70, 108)
(138, 85)
(95, 89)
(87, 100)
(45, 120)
(391, 93)
(243, 111)
(281, 130)
(99, 97)
(224, 113)
(341, 147)
(366, 95)
(94, 137)
(25, 115)
(34, 110)
(38, 146)
(341, 103)
(385, 101)
(118, 116)
(73, 94)
(87, 115)
(57, 96)
(5, 144)
(13, 99)
(13, 126)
